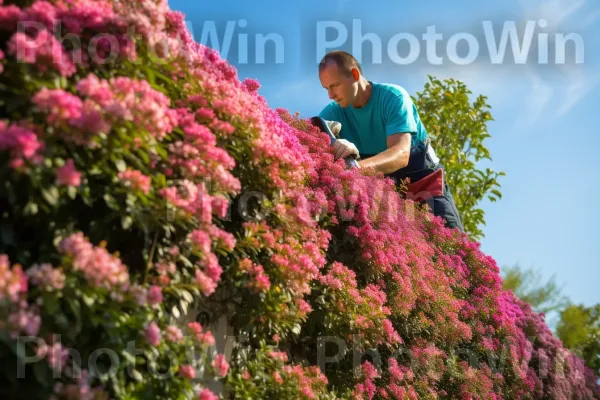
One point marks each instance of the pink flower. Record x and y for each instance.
(211, 266)
(277, 377)
(187, 371)
(21, 142)
(207, 285)
(46, 276)
(184, 196)
(155, 295)
(136, 180)
(395, 371)
(307, 392)
(57, 356)
(225, 239)
(24, 321)
(43, 50)
(206, 394)
(220, 365)
(79, 390)
(96, 90)
(61, 106)
(369, 370)
(174, 334)
(98, 266)
(13, 282)
(278, 356)
(67, 175)
(201, 240)
(252, 85)
(195, 327)
(42, 12)
(152, 114)
(10, 16)
(139, 294)
(153, 335)
(205, 113)
(259, 281)
(303, 307)
(206, 339)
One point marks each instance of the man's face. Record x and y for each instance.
(342, 88)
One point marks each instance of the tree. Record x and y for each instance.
(528, 285)
(458, 130)
(579, 330)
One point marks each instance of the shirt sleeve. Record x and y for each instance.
(400, 116)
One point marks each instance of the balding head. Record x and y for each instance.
(345, 62)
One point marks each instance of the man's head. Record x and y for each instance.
(340, 73)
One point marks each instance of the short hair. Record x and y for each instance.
(345, 61)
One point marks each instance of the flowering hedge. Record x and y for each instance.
(141, 182)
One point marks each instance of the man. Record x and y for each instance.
(380, 126)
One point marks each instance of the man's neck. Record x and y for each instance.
(365, 89)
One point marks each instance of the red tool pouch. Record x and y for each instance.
(427, 187)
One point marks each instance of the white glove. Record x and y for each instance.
(342, 148)
(335, 127)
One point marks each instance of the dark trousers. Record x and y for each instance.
(444, 207)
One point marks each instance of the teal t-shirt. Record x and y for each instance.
(389, 110)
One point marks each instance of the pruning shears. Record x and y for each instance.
(322, 125)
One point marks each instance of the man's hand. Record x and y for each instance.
(343, 148)
(335, 127)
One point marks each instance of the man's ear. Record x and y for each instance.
(355, 74)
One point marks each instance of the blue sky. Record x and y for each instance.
(546, 130)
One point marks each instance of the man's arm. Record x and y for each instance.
(395, 157)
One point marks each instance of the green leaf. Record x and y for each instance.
(111, 202)
(51, 195)
(296, 329)
(121, 165)
(88, 300)
(135, 374)
(72, 192)
(30, 209)
(51, 305)
(126, 222)
(186, 295)
(184, 306)
(161, 180)
(128, 356)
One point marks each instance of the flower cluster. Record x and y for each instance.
(21, 142)
(104, 104)
(98, 267)
(136, 180)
